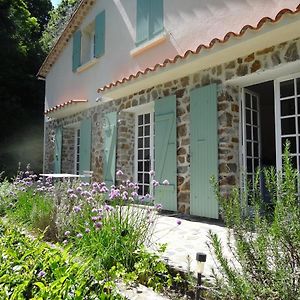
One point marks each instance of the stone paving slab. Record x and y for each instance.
(187, 239)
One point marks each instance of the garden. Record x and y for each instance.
(79, 240)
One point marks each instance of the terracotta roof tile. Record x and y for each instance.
(214, 41)
(65, 104)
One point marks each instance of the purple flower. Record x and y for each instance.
(148, 196)
(94, 218)
(65, 242)
(119, 173)
(158, 206)
(134, 194)
(114, 193)
(124, 195)
(79, 235)
(95, 185)
(104, 189)
(94, 192)
(79, 189)
(98, 225)
(155, 183)
(77, 209)
(73, 196)
(87, 230)
(152, 173)
(166, 182)
(67, 233)
(41, 274)
(70, 191)
(178, 222)
(131, 185)
(94, 210)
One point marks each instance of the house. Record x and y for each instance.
(190, 89)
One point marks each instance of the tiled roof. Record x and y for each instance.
(64, 105)
(214, 41)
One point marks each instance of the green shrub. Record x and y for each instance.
(30, 269)
(264, 241)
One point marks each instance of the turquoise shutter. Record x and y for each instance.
(142, 21)
(156, 25)
(76, 62)
(165, 152)
(204, 151)
(58, 146)
(85, 145)
(100, 34)
(110, 142)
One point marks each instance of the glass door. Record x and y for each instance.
(144, 152)
(251, 134)
(287, 108)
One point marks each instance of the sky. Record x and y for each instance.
(55, 2)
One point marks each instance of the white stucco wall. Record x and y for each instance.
(188, 23)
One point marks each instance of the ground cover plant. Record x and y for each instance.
(31, 269)
(264, 240)
(105, 226)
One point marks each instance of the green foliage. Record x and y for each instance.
(264, 240)
(30, 269)
(21, 25)
(6, 197)
(59, 18)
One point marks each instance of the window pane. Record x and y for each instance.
(255, 134)
(288, 126)
(249, 165)
(287, 88)
(140, 154)
(248, 133)
(249, 149)
(147, 154)
(140, 142)
(248, 100)
(147, 118)
(147, 142)
(298, 86)
(254, 116)
(146, 189)
(146, 178)
(255, 146)
(140, 131)
(140, 177)
(140, 119)
(294, 161)
(140, 166)
(287, 107)
(147, 130)
(254, 102)
(248, 116)
(147, 166)
(256, 164)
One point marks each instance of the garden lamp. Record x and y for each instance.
(201, 259)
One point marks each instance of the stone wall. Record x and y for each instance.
(228, 118)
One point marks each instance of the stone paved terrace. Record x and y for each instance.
(188, 238)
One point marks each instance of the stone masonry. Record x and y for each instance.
(228, 118)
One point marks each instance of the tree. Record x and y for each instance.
(21, 94)
(59, 18)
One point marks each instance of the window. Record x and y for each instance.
(144, 152)
(77, 150)
(89, 43)
(149, 20)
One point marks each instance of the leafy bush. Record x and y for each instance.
(31, 269)
(264, 240)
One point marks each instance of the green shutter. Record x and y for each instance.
(204, 151)
(165, 152)
(58, 146)
(85, 145)
(76, 50)
(142, 21)
(110, 141)
(156, 25)
(100, 34)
